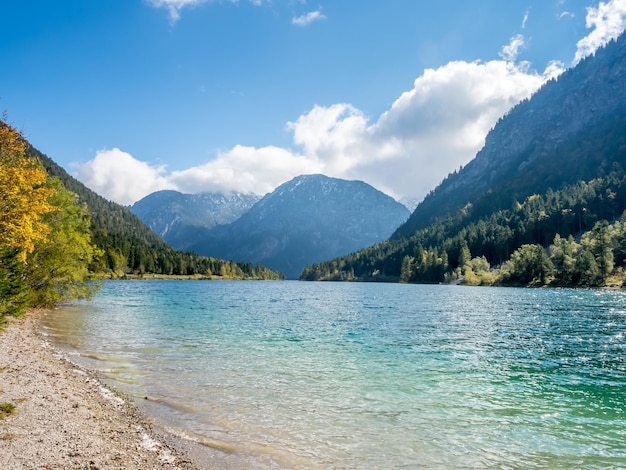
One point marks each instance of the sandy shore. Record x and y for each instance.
(65, 419)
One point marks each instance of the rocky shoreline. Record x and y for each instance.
(60, 416)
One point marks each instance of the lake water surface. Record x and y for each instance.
(366, 376)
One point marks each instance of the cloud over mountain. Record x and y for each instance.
(429, 131)
(119, 177)
(607, 22)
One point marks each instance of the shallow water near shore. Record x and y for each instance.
(346, 375)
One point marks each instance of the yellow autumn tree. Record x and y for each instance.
(45, 236)
(24, 196)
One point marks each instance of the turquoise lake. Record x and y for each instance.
(365, 376)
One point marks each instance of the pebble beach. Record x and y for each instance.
(56, 415)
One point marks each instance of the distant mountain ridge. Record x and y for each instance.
(175, 216)
(305, 220)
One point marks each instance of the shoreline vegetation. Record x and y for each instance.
(58, 415)
(573, 237)
(104, 276)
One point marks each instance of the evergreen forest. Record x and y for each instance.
(572, 237)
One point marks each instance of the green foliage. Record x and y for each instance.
(599, 242)
(564, 255)
(533, 242)
(14, 291)
(529, 265)
(6, 409)
(57, 270)
(587, 272)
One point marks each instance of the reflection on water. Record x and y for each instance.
(326, 375)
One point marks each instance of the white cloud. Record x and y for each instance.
(525, 20)
(331, 136)
(510, 51)
(429, 131)
(308, 18)
(608, 21)
(442, 122)
(120, 177)
(244, 169)
(175, 6)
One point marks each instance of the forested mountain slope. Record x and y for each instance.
(129, 246)
(569, 130)
(554, 165)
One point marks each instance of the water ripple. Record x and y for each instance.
(325, 375)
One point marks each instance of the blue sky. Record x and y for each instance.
(132, 96)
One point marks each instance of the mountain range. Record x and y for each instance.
(306, 220)
(176, 217)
